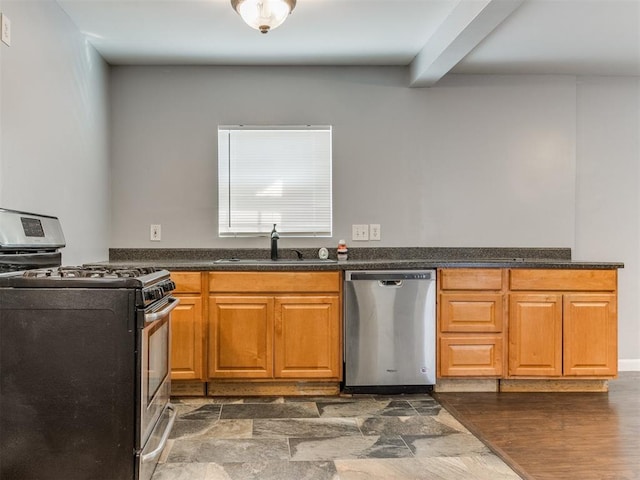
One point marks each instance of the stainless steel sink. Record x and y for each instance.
(280, 261)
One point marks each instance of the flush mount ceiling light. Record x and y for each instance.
(264, 15)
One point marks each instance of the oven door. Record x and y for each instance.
(156, 414)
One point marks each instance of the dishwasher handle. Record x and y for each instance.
(388, 277)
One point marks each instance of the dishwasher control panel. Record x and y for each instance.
(390, 275)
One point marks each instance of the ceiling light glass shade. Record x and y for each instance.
(264, 15)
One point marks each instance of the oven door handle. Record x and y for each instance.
(151, 456)
(152, 317)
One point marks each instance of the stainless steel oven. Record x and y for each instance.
(84, 361)
(156, 413)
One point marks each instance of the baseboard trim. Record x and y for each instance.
(272, 388)
(552, 385)
(456, 385)
(188, 388)
(629, 365)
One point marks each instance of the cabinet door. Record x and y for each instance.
(535, 335)
(307, 337)
(187, 362)
(590, 334)
(240, 337)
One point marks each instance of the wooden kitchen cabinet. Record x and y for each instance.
(563, 323)
(470, 355)
(241, 336)
(275, 325)
(187, 328)
(590, 341)
(470, 323)
(471, 312)
(535, 335)
(307, 335)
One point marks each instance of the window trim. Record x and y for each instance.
(225, 193)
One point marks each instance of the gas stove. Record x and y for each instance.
(99, 332)
(151, 284)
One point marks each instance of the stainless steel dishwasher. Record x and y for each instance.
(390, 331)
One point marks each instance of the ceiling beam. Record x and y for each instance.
(466, 26)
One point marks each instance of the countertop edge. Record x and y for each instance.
(409, 264)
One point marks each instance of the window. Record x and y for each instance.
(278, 175)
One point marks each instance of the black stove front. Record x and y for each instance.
(84, 372)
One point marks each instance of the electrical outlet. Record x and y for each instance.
(374, 231)
(155, 233)
(6, 29)
(360, 233)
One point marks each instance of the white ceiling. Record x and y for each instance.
(433, 37)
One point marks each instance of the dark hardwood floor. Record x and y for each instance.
(576, 436)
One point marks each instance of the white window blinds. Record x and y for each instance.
(278, 175)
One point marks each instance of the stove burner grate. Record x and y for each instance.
(89, 272)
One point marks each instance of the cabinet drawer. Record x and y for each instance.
(470, 312)
(470, 355)
(471, 279)
(274, 282)
(187, 282)
(576, 280)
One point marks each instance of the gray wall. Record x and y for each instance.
(477, 161)
(54, 155)
(534, 161)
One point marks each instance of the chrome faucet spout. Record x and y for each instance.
(274, 243)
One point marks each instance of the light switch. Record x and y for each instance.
(155, 234)
(360, 233)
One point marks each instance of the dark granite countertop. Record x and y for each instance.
(386, 258)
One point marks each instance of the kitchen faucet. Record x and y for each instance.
(274, 243)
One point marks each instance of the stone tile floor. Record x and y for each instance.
(324, 438)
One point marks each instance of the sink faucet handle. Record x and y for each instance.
(274, 233)
(299, 253)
